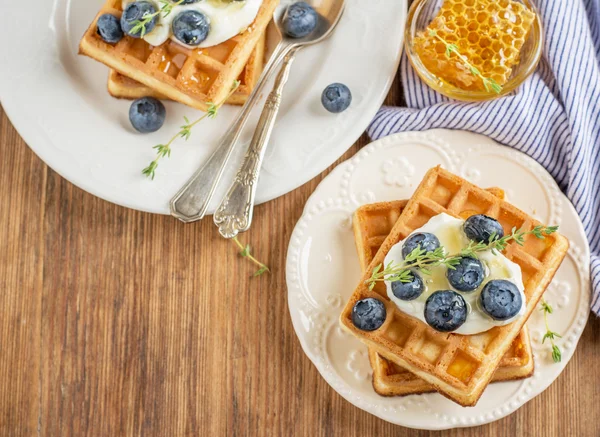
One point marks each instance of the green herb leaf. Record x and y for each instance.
(164, 150)
(550, 335)
(246, 251)
(556, 354)
(261, 271)
(422, 260)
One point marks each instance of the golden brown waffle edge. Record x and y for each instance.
(432, 355)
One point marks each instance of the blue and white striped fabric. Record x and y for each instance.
(554, 117)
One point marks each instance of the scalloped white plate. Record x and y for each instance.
(322, 268)
(58, 102)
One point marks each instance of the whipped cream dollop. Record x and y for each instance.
(449, 230)
(227, 19)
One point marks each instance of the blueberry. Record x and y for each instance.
(191, 27)
(424, 240)
(300, 20)
(336, 97)
(501, 299)
(109, 28)
(480, 228)
(134, 13)
(147, 114)
(368, 314)
(445, 310)
(467, 275)
(408, 290)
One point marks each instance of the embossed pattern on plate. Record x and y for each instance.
(322, 268)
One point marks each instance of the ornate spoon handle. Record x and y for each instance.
(234, 214)
(192, 201)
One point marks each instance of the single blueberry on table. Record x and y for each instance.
(501, 299)
(147, 114)
(300, 20)
(467, 275)
(368, 314)
(336, 98)
(109, 28)
(426, 241)
(409, 290)
(133, 14)
(480, 228)
(445, 311)
(191, 27)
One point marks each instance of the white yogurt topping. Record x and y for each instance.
(449, 231)
(227, 19)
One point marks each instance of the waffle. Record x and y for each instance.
(372, 223)
(122, 87)
(192, 77)
(457, 366)
(489, 33)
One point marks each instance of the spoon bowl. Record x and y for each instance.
(329, 13)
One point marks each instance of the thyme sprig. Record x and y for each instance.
(550, 335)
(489, 83)
(164, 150)
(423, 260)
(245, 253)
(139, 26)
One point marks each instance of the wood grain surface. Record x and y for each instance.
(120, 323)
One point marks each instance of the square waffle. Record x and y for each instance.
(190, 76)
(458, 366)
(372, 223)
(122, 87)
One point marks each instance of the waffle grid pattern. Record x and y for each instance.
(122, 87)
(458, 366)
(372, 223)
(192, 77)
(489, 33)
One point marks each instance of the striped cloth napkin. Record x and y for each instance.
(554, 117)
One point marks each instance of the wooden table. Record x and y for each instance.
(121, 323)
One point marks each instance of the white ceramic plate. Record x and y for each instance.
(323, 270)
(58, 102)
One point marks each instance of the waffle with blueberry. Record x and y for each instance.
(458, 366)
(122, 87)
(193, 77)
(372, 224)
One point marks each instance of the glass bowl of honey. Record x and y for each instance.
(473, 49)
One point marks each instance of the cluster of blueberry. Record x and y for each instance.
(446, 310)
(191, 28)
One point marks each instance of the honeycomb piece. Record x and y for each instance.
(488, 33)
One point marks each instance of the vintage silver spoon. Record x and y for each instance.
(234, 213)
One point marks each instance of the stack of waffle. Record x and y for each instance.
(195, 77)
(407, 355)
